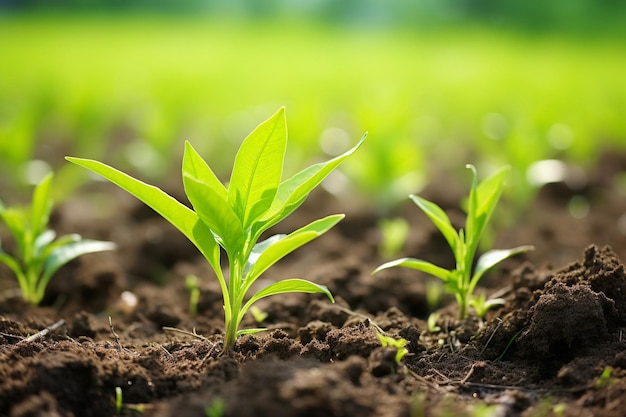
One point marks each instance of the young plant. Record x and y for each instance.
(38, 255)
(399, 344)
(234, 217)
(460, 281)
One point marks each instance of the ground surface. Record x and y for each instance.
(557, 347)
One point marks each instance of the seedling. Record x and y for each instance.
(431, 323)
(38, 255)
(460, 281)
(235, 216)
(481, 304)
(394, 233)
(191, 285)
(398, 344)
(258, 314)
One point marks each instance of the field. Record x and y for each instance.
(123, 332)
(131, 90)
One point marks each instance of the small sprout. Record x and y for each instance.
(215, 409)
(191, 285)
(394, 233)
(460, 281)
(118, 400)
(258, 314)
(234, 217)
(399, 344)
(605, 377)
(432, 323)
(559, 409)
(39, 254)
(482, 305)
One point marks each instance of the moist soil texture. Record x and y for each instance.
(115, 334)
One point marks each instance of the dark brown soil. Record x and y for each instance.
(556, 348)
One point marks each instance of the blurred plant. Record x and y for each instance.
(399, 344)
(191, 285)
(481, 304)
(235, 217)
(460, 281)
(258, 314)
(431, 323)
(38, 255)
(394, 233)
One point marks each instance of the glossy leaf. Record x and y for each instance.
(439, 218)
(287, 286)
(41, 206)
(493, 257)
(63, 254)
(195, 167)
(294, 191)
(179, 215)
(282, 247)
(418, 264)
(216, 214)
(258, 169)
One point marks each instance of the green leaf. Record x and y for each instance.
(12, 264)
(279, 248)
(418, 264)
(42, 241)
(439, 218)
(179, 215)
(195, 167)
(287, 286)
(493, 257)
(258, 169)
(216, 214)
(63, 254)
(294, 191)
(41, 206)
(15, 221)
(259, 248)
(483, 200)
(250, 331)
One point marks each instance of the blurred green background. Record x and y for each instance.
(437, 84)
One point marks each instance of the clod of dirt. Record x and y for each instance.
(578, 308)
(565, 319)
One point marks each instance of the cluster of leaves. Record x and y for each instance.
(234, 217)
(39, 254)
(460, 281)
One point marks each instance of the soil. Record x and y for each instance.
(121, 321)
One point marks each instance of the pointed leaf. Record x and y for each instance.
(215, 213)
(11, 263)
(282, 247)
(63, 254)
(258, 169)
(294, 191)
(179, 215)
(484, 198)
(287, 286)
(493, 257)
(439, 218)
(418, 264)
(259, 248)
(42, 241)
(197, 168)
(15, 221)
(41, 206)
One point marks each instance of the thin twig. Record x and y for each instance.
(44, 332)
(185, 332)
(115, 336)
